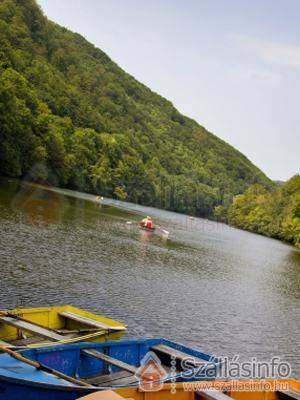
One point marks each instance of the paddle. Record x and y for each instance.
(42, 367)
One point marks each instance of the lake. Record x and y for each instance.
(219, 289)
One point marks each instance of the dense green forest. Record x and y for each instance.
(70, 115)
(274, 213)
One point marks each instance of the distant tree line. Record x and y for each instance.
(274, 213)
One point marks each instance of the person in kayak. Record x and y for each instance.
(147, 222)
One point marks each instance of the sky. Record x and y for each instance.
(232, 65)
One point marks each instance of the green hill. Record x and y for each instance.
(74, 117)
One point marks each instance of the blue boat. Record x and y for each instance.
(101, 366)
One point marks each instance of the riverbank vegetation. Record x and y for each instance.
(274, 213)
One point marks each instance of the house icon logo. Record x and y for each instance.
(151, 374)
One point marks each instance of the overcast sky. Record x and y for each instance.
(232, 65)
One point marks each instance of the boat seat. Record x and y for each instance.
(102, 379)
(76, 331)
(289, 394)
(27, 341)
(116, 378)
(90, 322)
(211, 394)
(122, 381)
(164, 350)
(31, 328)
(110, 360)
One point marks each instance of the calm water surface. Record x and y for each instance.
(219, 289)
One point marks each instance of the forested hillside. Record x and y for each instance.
(73, 116)
(274, 213)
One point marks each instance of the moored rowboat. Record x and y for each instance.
(62, 324)
(270, 389)
(94, 366)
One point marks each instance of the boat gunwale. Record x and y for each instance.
(28, 310)
(49, 385)
(153, 341)
(49, 319)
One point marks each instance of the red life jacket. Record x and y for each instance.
(149, 224)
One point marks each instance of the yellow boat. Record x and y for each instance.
(269, 389)
(29, 327)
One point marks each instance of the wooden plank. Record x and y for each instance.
(179, 355)
(99, 380)
(90, 322)
(122, 381)
(5, 344)
(211, 394)
(76, 331)
(289, 394)
(30, 340)
(110, 360)
(102, 378)
(32, 328)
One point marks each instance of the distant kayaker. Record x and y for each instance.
(99, 200)
(147, 222)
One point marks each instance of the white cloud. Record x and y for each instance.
(269, 51)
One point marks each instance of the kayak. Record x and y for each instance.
(156, 229)
(144, 228)
(63, 324)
